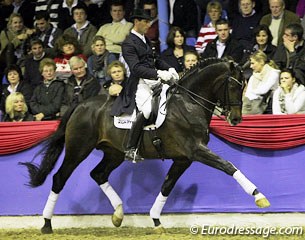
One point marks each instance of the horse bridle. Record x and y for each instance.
(226, 106)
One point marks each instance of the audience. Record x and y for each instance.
(101, 58)
(47, 97)
(191, 58)
(16, 109)
(80, 86)
(51, 8)
(117, 72)
(261, 85)
(173, 55)
(289, 97)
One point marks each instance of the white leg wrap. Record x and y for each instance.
(244, 182)
(50, 205)
(156, 209)
(113, 197)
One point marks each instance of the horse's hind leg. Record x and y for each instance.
(204, 155)
(111, 160)
(174, 173)
(73, 157)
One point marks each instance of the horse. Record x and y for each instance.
(184, 133)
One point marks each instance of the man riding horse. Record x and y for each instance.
(145, 74)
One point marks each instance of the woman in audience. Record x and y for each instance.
(173, 55)
(16, 109)
(80, 86)
(47, 97)
(66, 47)
(207, 32)
(16, 84)
(261, 85)
(117, 72)
(289, 97)
(101, 58)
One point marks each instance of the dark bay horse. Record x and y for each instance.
(184, 135)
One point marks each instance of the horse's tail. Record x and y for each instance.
(51, 151)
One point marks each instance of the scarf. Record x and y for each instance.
(98, 62)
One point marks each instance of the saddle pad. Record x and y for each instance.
(125, 121)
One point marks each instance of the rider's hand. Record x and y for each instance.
(164, 75)
(174, 73)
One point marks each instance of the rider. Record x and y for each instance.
(144, 74)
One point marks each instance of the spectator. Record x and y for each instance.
(31, 63)
(47, 97)
(51, 8)
(65, 16)
(244, 23)
(16, 109)
(82, 30)
(99, 61)
(278, 19)
(207, 32)
(117, 71)
(115, 32)
(191, 58)
(66, 47)
(223, 45)
(261, 85)
(80, 86)
(173, 55)
(16, 84)
(291, 53)
(289, 97)
(184, 14)
(26, 9)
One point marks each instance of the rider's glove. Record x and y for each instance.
(174, 73)
(164, 75)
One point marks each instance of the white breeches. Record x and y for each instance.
(144, 96)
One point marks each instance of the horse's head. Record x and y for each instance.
(230, 94)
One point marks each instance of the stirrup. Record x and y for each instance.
(132, 155)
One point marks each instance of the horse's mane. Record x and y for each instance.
(203, 63)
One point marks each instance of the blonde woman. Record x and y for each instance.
(261, 85)
(16, 109)
(289, 97)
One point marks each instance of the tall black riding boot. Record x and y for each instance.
(133, 139)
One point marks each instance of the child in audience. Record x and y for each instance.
(117, 71)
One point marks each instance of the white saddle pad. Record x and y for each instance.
(125, 121)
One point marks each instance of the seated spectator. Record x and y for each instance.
(66, 47)
(16, 84)
(12, 39)
(80, 86)
(191, 58)
(289, 97)
(223, 45)
(262, 83)
(115, 32)
(244, 23)
(101, 58)
(47, 97)
(51, 8)
(291, 53)
(82, 30)
(173, 55)
(31, 63)
(16, 109)
(278, 19)
(207, 32)
(45, 30)
(65, 17)
(26, 9)
(116, 70)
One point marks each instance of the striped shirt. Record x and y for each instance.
(207, 34)
(42, 5)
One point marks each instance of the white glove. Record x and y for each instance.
(174, 73)
(164, 75)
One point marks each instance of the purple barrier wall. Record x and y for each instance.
(278, 174)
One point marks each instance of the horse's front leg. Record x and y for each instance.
(204, 155)
(177, 169)
(111, 160)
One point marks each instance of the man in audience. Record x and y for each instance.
(82, 30)
(51, 8)
(115, 32)
(278, 19)
(223, 45)
(291, 53)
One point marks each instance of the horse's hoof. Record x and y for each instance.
(159, 230)
(118, 216)
(46, 230)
